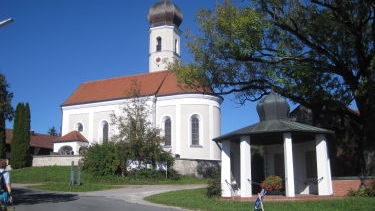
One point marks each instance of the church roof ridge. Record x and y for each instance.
(127, 76)
(161, 83)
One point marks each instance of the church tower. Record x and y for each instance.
(165, 18)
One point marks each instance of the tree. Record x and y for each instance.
(318, 53)
(6, 112)
(52, 131)
(20, 145)
(139, 140)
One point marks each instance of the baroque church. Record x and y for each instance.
(188, 118)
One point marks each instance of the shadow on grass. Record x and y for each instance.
(30, 197)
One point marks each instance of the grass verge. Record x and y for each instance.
(64, 187)
(56, 178)
(196, 199)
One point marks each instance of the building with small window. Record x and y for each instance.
(40, 144)
(188, 118)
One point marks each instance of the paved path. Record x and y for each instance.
(136, 193)
(129, 198)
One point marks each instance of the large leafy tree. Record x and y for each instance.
(138, 138)
(6, 112)
(319, 53)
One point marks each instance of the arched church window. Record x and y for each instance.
(79, 127)
(158, 44)
(194, 129)
(175, 46)
(168, 131)
(105, 131)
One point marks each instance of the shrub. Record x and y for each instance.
(103, 159)
(173, 174)
(272, 183)
(361, 192)
(213, 188)
(168, 158)
(147, 174)
(208, 170)
(214, 184)
(368, 191)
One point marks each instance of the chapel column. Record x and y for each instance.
(288, 165)
(323, 166)
(245, 169)
(225, 169)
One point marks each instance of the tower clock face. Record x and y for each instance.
(157, 59)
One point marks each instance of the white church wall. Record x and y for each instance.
(186, 105)
(187, 148)
(179, 108)
(98, 111)
(216, 132)
(162, 113)
(99, 117)
(82, 118)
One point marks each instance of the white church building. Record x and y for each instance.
(188, 118)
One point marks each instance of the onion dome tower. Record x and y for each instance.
(165, 18)
(273, 107)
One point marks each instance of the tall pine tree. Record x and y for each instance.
(21, 137)
(26, 139)
(14, 156)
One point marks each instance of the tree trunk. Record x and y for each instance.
(366, 106)
(2, 138)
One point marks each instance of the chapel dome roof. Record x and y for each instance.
(164, 12)
(273, 107)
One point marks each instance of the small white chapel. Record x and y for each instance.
(188, 118)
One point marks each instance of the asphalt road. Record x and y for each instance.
(32, 200)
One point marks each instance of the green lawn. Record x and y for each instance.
(196, 199)
(56, 178)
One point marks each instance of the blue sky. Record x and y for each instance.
(54, 46)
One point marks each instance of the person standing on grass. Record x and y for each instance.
(5, 187)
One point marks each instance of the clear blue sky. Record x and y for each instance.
(55, 45)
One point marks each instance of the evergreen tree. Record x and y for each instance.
(21, 137)
(14, 157)
(52, 131)
(26, 136)
(6, 112)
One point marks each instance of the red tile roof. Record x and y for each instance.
(156, 83)
(72, 136)
(36, 139)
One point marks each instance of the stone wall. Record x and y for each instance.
(198, 168)
(342, 185)
(55, 160)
